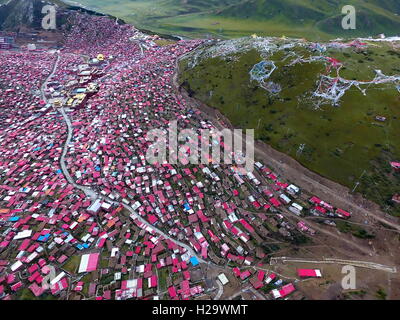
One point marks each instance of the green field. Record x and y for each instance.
(73, 263)
(235, 18)
(311, 19)
(342, 143)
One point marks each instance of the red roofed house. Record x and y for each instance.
(261, 275)
(275, 202)
(236, 271)
(153, 281)
(244, 275)
(89, 262)
(343, 214)
(318, 210)
(309, 273)
(395, 165)
(315, 200)
(152, 218)
(270, 278)
(172, 292)
(256, 283)
(284, 291)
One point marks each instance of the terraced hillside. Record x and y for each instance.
(322, 104)
(313, 19)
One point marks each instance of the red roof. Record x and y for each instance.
(286, 290)
(256, 283)
(261, 275)
(172, 292)
(343, 213)
(315, 200)
(246, 225)
(236, 271)
(36, 289)
(272, 176)
(268, 193)
(186, 275)
(320, 209)
(244, 275)
(395, 165)
(153, 281)
(306, 273)
(270, 278)
(152, 218)
(256, 204)
(275, 202)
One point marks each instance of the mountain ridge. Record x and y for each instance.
(15, 14)
(225, 19)
(236, 18)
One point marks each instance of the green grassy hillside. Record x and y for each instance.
(314, 19)
(342, 143)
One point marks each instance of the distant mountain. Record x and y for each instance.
(374, 16)
(15, 14)
(313, 19)
(233, 18)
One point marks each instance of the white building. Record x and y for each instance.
(223, 279)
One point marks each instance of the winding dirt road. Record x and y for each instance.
(361, 264)
(91, 193)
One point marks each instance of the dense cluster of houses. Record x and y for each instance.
(114, 92)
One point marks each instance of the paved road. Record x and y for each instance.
(44, 85)
(93, 195)
(220, 290)
(86, 190)
(89, 192)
